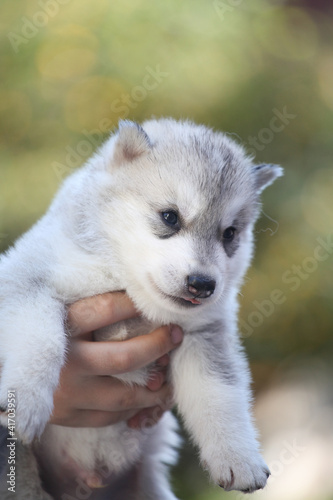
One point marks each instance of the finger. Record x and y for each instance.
(114, 358)
(96, 312)
(100, 395)
(156, 380)
(91, 418)
(163, 361)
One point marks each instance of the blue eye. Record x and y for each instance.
(170, 218)
(229, 233)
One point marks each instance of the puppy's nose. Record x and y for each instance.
(200, 286)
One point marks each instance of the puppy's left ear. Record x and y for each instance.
(131, 142)
(265, 175)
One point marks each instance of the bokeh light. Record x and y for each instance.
(68, 53)
(261, 71)
(287, 32)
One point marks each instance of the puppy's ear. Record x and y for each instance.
(131, 142)
(266, 175)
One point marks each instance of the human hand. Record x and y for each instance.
(88, 395)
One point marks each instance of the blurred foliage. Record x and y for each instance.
(70, 69)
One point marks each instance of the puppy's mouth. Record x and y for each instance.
(185, 302)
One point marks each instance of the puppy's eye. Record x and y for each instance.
(229, 233)
(170, 218)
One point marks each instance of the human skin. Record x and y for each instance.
(88, 394)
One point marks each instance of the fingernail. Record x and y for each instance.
(176, 334)
(94, 481)
(133, 423)
(155, 381)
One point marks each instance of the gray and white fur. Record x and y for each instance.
(166, 212)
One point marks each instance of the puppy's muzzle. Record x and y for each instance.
(200, 286)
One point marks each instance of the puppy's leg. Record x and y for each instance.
(32, 345)
(160, 452)
(211, 383)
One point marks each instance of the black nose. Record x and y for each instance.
(200, 286)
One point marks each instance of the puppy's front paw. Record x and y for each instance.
(246, 478)
(243, 473)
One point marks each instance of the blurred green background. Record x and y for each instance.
(260, 70)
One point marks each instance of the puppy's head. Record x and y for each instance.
(183, 202)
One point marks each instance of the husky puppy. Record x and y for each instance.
(166, 212)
